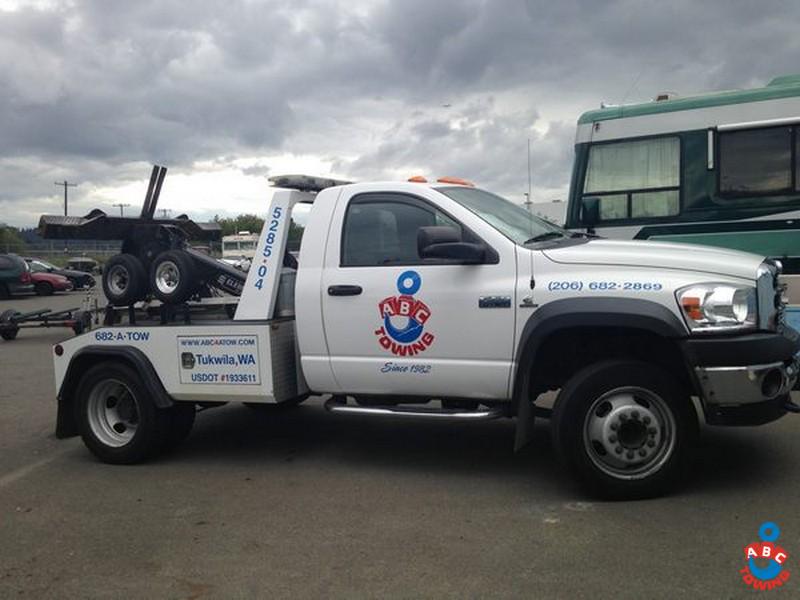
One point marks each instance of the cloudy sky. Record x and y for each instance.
(228, 92)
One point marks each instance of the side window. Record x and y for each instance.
(635, 180)
(756, 161)
(384, 232)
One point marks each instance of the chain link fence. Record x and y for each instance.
(53, 250)
(100, 250)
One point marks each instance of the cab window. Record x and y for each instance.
(383, 230)
(637, 179)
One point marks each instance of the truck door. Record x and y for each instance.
(398, 324)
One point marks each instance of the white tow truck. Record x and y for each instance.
(443, 301)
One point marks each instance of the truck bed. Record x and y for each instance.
(213, 360)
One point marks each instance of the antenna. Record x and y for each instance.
(528, 200)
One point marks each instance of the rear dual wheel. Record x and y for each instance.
(124, 280)
(625, 429)
(173, 277)
(119, 422)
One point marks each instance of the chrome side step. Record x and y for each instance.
(336, 405)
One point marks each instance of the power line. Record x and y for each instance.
(122, 207)
(66, 184)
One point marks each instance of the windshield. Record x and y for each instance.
(510, 219)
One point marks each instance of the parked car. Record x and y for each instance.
(15, 276)
(79, 279)
(44, 284)
(84, 264)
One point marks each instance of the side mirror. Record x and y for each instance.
(445, 243)
(590, 213)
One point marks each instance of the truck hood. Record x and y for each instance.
(659, 255)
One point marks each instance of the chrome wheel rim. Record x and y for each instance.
(167, 277)
(629, 433)
(118, 280)
(113, 413)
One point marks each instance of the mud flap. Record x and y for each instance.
(525, 421)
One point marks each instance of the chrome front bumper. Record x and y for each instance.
(733, 386)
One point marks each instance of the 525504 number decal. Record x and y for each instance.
(272, 230)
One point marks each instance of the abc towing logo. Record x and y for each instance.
(410, 338)
(773, 574)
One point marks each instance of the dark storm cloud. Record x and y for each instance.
(95, 89)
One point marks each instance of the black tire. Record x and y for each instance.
(115, 439)
(124, 280)
(639, 401)
(9, 333)
(83, 322)
(173, 277)
(43, 289)
(182, 417)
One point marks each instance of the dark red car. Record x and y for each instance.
(46, 283)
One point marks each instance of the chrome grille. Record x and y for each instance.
(771, 292)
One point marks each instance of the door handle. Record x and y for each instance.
(344, 290)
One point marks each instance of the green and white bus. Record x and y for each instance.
(721, 169)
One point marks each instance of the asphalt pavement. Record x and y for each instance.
(305, 504)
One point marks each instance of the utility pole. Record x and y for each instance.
(122, 207)
(66, 184)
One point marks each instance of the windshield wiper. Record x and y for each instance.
(547, 235)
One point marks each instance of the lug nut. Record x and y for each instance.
(651, 443)
(646, 420)
(612, 439)
(629, 454)
(635, 414)
(614, 427)
(618, 449)
(652, 430)
(623, 417)
(642, 452)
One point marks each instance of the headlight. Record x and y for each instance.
(718, 306)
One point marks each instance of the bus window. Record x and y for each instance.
(637, 179)
(755, 161)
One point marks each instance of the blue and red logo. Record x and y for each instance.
(771, 572)
(404, 318)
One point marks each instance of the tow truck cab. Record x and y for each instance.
(443, 300)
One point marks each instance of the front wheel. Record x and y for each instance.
(116, 418)
(625, 429)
